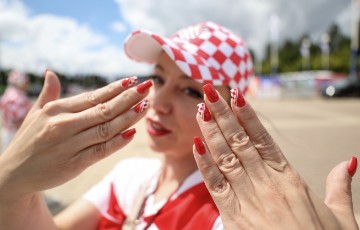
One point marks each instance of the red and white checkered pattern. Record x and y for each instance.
(207, 52)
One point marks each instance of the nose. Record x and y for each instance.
(161, 100)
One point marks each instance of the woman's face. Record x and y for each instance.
(171, 122)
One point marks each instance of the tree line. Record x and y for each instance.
(290, 60)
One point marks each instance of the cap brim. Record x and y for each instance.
(144, 46)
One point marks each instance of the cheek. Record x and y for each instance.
(187, 118)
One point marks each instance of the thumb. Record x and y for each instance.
(51, 89)
(338, 189)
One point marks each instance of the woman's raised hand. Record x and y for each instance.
(61, 137)
(250, 180)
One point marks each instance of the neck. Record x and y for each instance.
(176, 169)
(173, 174)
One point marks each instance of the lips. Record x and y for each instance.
(156, 129)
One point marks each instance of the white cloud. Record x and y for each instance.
(250, 19)
(118, 26)
(34, 43)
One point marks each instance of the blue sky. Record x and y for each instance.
(86, 36)
(97, 14)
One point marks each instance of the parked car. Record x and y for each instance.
(347, 87)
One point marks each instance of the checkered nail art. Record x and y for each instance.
(129, 82)
(204, 112)
(237, 98)
(142, 106)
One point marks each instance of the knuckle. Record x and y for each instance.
(91, 98)
(220, 186)
(216, 182)
(230, 165)
(248, 115)
(263, 141)
(103, 131)
(212, 134)
(228, 162)
(99, 151)
(50, 107)
(224, 113)
(103, 110)
(239, 141)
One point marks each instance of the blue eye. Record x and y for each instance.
(193, 93)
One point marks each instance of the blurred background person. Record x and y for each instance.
(14, 106)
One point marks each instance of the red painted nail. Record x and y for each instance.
(211, 93)
(128, 82)
(204, 112)
(352, 166)
(128, 133)
(139, 108)
(143, 87)
(199, 145)
(237, 98)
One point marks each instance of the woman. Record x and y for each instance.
(138, 193)
(166, 193)
(14, 105)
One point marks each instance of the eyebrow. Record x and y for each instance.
(184, 76)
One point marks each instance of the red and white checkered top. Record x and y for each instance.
(207, 52)
(15, 106)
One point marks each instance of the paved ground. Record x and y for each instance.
(315, 134)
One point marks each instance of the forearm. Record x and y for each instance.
(29, 212)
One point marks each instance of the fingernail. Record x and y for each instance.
(45, 72)
(211, 93)
(128, 82)
(237, 98)
(199, 145)
(139, 108)
(204, 112)
(352, 166)
(143, 87)
(128, 133)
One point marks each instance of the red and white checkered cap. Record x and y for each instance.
(207, 52)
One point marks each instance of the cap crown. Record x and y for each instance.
(221, 57)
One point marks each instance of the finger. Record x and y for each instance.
(105, 131)
(259, 136)
(222, 154)
(233, 132)
(338, 189)
(107, 111)
(102, 150)
(90, 99)
(218, 186)
(50, 91)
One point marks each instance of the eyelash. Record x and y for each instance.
(191, 92)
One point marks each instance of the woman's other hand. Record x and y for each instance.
(250, 180)
(61, 137)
